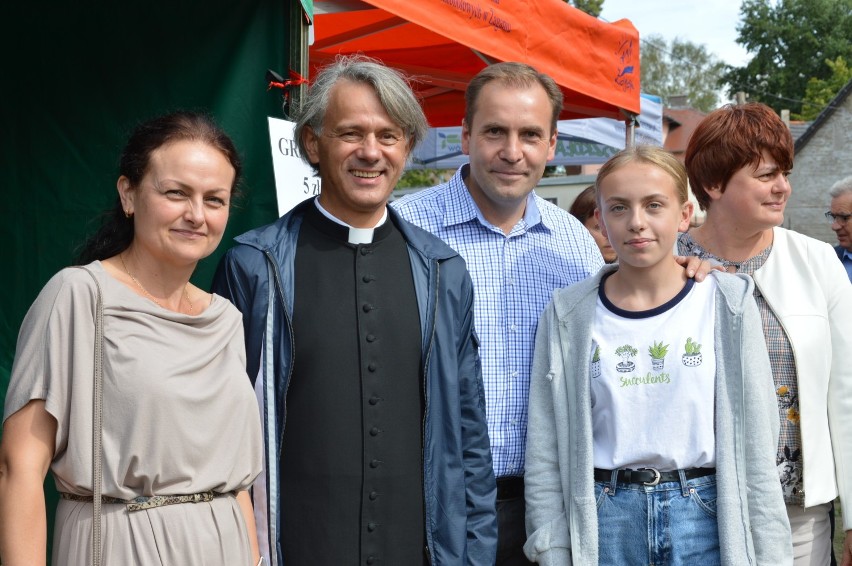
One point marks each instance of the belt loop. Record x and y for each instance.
(613, 481)
(684, 488)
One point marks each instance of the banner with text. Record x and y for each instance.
(295, 180)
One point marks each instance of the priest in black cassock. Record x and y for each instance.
(361, 345)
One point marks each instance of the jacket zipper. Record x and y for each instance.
(426, 402)
(292, 347)
(273, 548)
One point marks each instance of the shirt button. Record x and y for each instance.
(371, 560)
(367, 279)
(513, 374)
(374, 463)
(371, 338)
(374, 400)
(513, 327)
(374, 495)
(372, 367)
(367, 307)
(371, 527)
(515, 421)
(365, 251)
(374, 431)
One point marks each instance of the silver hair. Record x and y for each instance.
(841, 187)
(390, 85)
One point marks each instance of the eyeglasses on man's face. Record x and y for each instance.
(839, 218)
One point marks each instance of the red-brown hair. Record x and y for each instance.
(731, 138)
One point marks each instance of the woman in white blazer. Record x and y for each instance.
(738, 160)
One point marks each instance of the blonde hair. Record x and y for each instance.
(652, 155)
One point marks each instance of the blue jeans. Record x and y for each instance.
(669, 524)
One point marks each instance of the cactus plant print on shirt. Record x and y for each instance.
(650, 407)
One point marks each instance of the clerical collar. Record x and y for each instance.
(356, 235)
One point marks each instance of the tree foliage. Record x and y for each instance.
(819, 93)
(421, 178)
(680, 68)
(591, 7)
(790, 42)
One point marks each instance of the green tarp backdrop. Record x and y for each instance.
(77, 77)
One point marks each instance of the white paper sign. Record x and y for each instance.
(294, 179)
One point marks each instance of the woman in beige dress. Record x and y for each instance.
(180, 430)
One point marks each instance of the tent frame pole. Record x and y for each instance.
(297, 56)
(631, 122)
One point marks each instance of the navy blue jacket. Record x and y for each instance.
(459, 488)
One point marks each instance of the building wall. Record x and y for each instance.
(824, 160)
(563, 190)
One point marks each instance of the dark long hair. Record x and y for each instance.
(116, 231)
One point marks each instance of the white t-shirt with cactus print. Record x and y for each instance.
(653, 379)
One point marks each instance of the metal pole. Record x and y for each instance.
(299, 28)
(630, 123)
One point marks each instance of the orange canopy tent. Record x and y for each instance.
(443, 43)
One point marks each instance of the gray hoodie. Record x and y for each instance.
(561, 510)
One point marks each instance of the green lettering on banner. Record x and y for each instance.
(568, 148)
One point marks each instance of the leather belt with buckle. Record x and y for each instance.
(651, 476)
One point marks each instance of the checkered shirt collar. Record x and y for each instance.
(461, 208)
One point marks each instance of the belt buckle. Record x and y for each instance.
(656, 479)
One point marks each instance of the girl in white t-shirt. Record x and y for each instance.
(649, 397)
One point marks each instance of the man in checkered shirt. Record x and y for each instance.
(518, 247)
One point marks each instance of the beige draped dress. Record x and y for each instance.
(179, 417)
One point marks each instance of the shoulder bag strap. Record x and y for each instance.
(97, 424)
